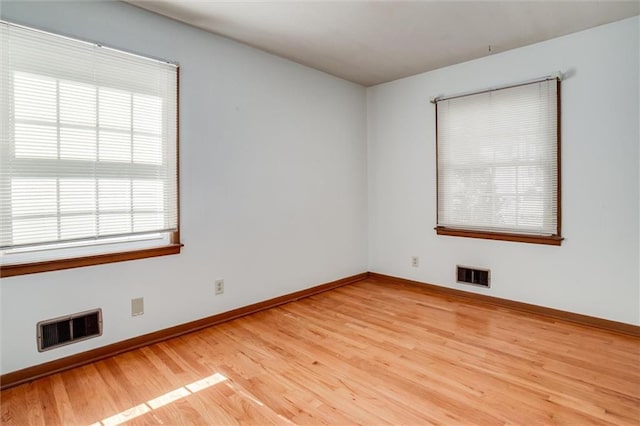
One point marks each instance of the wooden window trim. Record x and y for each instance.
(552, 240)
(77, 262)
(555, 240)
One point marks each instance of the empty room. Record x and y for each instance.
(319, 212)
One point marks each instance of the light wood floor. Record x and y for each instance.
(369, 353)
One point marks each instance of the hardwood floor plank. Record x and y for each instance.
(36, 409)
(47, 400)
(66, 414)
(372, 352)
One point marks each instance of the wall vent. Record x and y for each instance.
(69, 329)
(475, 276)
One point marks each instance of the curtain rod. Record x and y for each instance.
(554, 76)
(90, 43)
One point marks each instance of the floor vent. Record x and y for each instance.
(69, 329)
(473, 276)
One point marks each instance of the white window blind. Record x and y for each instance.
(497, 156)
(88, 142)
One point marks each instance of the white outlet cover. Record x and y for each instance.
(219, 286)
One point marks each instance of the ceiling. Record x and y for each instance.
(371, 42)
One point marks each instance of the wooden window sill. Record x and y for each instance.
(76, 262)
(553, 240)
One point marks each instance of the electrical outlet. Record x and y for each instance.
(415, 261)
(219, 287)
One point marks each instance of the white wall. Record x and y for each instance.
(596, 270)
(273, 186)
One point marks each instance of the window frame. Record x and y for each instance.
(555, 239)
(169, 245)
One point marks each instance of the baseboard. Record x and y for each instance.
(618, 327)
(31, 373)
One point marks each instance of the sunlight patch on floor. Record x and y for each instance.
(161, 401)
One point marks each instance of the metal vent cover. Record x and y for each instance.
(476, 276)
(69, 329)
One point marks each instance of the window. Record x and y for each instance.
(88, 160)
(498, 163)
